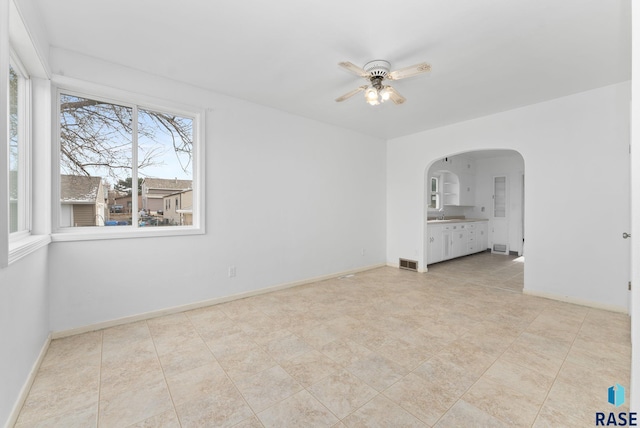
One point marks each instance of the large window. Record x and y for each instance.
(119, 162)
(18, 149)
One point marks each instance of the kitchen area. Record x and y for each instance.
(474, 203)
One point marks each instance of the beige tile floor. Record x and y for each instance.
(460, 346)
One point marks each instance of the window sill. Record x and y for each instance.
(27, 245)
(108, 232)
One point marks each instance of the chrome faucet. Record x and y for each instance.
(441, 216)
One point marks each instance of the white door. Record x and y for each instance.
(499, 226)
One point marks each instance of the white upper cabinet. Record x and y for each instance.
(467, 190)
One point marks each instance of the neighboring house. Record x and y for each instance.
(126, 202)
(178, 208)
(155, 189)
(82, 201)
(112, 195)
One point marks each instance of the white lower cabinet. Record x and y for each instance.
(471, 238)
(434, 244)
(483, 236)
(459, 245)
(453, 240)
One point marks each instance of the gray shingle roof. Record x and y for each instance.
(79, 189)
(167, 183)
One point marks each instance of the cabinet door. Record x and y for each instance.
(446, 244)
(459, 243)
(467, 190)
(482, 236)
(434, 244)
(471, 239)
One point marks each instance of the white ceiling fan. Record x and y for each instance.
(377, 72)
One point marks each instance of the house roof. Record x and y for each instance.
(177, 193)
(167, 184)
(79, 189)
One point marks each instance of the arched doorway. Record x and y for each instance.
(485, 185)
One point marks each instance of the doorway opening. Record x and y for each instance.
(474, 203)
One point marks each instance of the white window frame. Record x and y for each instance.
(18, 50)
(64, 85)
(24, 151)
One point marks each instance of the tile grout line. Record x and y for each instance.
(253, 412)
(164, 377)
(485, 371)
(564, 360)
(100, 376)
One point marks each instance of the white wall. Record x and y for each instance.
(574, 247)
(24, 297)
(287, 199)
(24, 324)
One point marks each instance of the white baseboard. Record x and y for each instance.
(203, 303)
(577, 301)
(24, 392)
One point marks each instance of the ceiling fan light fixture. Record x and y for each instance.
(384, 94)
(376, 72)
(371, 94)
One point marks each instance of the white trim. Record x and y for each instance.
(84, 89)
(4, 132)
(576, 301)
(21, 248)
(112, 232)
(634, 301)
(25, 160)
(22, 38)
(204, 303)
(26, 388)
(134, 163)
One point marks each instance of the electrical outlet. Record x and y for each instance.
(232, 271)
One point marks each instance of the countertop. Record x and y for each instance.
(456, 220)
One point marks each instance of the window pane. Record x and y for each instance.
(95, 156)
(500, 196)
(13, 151)
(165, 145)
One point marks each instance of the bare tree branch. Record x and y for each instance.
(96, 134)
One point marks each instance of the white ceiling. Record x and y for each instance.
(487, 55)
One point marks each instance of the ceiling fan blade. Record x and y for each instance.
(395, 96)
(352, 93)
(353, 69)
(403, 73)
